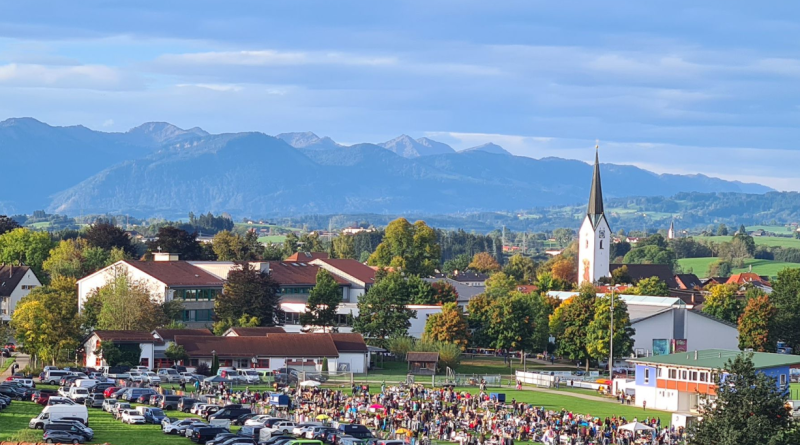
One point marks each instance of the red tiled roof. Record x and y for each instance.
(307, 256)
(258, 332)
(126, 336)
(169, 334)
(272, 345)
(176, 273)
(744, 278)
(295, 273)
(353, 268)
(349, 342)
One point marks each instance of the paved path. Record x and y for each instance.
(572, 394)
(21, 359)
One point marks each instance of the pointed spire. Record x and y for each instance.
(596, 196)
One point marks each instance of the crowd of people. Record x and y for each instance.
(419, 415)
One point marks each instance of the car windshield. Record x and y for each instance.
(156, 412)
(251, 373)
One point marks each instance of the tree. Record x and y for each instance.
(106, 236)
(323, 301)
(75, 258)
(756, 325)
(245, 321)
(412, 248)
(521, 268)
(24, 246)
(128, 306)
(569, 322)
(229, 246)
(598, 331)
(44, 321)
(420, 291)
(7, 224)
(449, 326)
(478, 319)
(344, 247)
(460, 262)
(310, 242)
(786, 298)
(499, 285)
(563, 236)
(722, 303)
(484, 263)
(214, 365)
(719, 268)
(749, 409)
(248, 291)
(174, 240)
(290, 244)
(565, 270)
(119, 354)
(383, 311)
(621, 275)
(653, 287)
(519, 321)
(722, 230)
(272, 252)
(176, 353)
(444, 292)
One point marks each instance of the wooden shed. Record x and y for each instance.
(422, 363)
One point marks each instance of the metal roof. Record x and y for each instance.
(718, 358)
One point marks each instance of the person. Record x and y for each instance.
(644, 405)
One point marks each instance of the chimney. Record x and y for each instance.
(695, 355)
(165, 257)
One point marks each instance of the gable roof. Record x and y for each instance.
(349, 342)
(307, 256)
(469, 276)
(353, 268)
(169, 334)
(717, 358)
(256, 331)
(639, 271)
(10, 276)
(272, 345)
(296, 273)
(744, 278)
(126, 336)
(177, 273)
(688, 281)
(422, 356)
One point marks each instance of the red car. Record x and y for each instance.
(43, 398)
(11, 347)
(107, 393)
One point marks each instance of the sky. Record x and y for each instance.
(675, 87)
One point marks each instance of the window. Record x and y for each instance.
(659, 373)
(783, 380)
(195, 294)
(673, 374)
(684, 375)
(704, 377)
(601, 244)
(646, 376)
(693, 376)
(198, 315)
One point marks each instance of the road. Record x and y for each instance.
(21, 359)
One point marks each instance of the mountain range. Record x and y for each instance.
(158, 169)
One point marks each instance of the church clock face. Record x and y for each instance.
(602, 233)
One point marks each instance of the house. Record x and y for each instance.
(688, 281)
(360, 276)
(675, 382)
(470, 278)
(353, 353)
(15, 283)
(141, 341)
(307, 256)
(253, 332)
(747, 278)
(165, 338)
(465, 291)
(297, 278)
(660, 320)
(269, 352)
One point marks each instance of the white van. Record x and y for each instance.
(57, 412)
(78, 395)
(53, 376)
(85, 383)
(250, 376)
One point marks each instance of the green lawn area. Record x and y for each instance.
(40, 225)
(771, 241)
(762, 267)
(774, 229)
(6, 363)
(272, 239)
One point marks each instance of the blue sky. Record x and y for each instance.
(679, 87)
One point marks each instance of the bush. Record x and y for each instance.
(399, 346)
(203, 369)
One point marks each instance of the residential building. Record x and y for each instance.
(253, 332)
(297, 278)
(166, 337)
(15, 283)
(675, 382)
(307, 256)
(360, 276)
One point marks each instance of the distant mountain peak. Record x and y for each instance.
(161, 132)
(488, 147)
(308, 140)
(407, 147)
(29, 121)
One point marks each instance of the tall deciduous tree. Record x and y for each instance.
(749, 409)
(519, 321)
(323, 301)
(599, 330)
(174, 240)
(652, 286)
(44, 321)
(412, 248)
(569, 322)
(444, 292)
(383, 311)
(521, 268)
(448, 326)
(127, 305)
(75, 258)
(248, 291)
(107, 236)
(344, 247)
(24, 246)
(786, 298)
(7, 224)
(460, 263)
(484, 263)
(723, 304)
(756, 330)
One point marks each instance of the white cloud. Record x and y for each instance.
(213, 86)
(108, 123)
(273, 58)
(94, 77)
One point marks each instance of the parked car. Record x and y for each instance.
(108, 404)
(11, 347)
(26, 382)
(152, 415)
(133, 394)
(197, 407)
(239, 421)
(262, 420)
(119, 408)
(180, 426)
(73, 426)
(94, 401)
(191, 428)
(189, 377)
(203, 435)
(253, 432)
(302, 428)
(110, 390)
(207, 411)
(221, 437)
(355, 430)
(169, 402)
(186, 403)
(57, 400)
(58, 436)
(152, 379)
(320, 433)
(131, 416)
(136, 376)
(229, 413)
(168, 375)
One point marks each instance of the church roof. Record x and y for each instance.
(595, 208)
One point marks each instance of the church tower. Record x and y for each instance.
(595, 235)
(671, 231)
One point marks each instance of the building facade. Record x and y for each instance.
(594, 236)
(15, 283)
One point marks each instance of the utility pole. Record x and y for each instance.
(611, 342)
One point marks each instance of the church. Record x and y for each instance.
(595, 237)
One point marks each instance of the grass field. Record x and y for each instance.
(781, 230)
(272, 239)
(771, 241)
(699, 266)
(6, 363)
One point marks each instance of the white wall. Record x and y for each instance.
(659, 326)
(11, 303)
(147, 351)
(589, 250)
(356, 361)
(87, 285)
(700, 332)
(418, 323)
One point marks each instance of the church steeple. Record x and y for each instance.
(595, 208)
